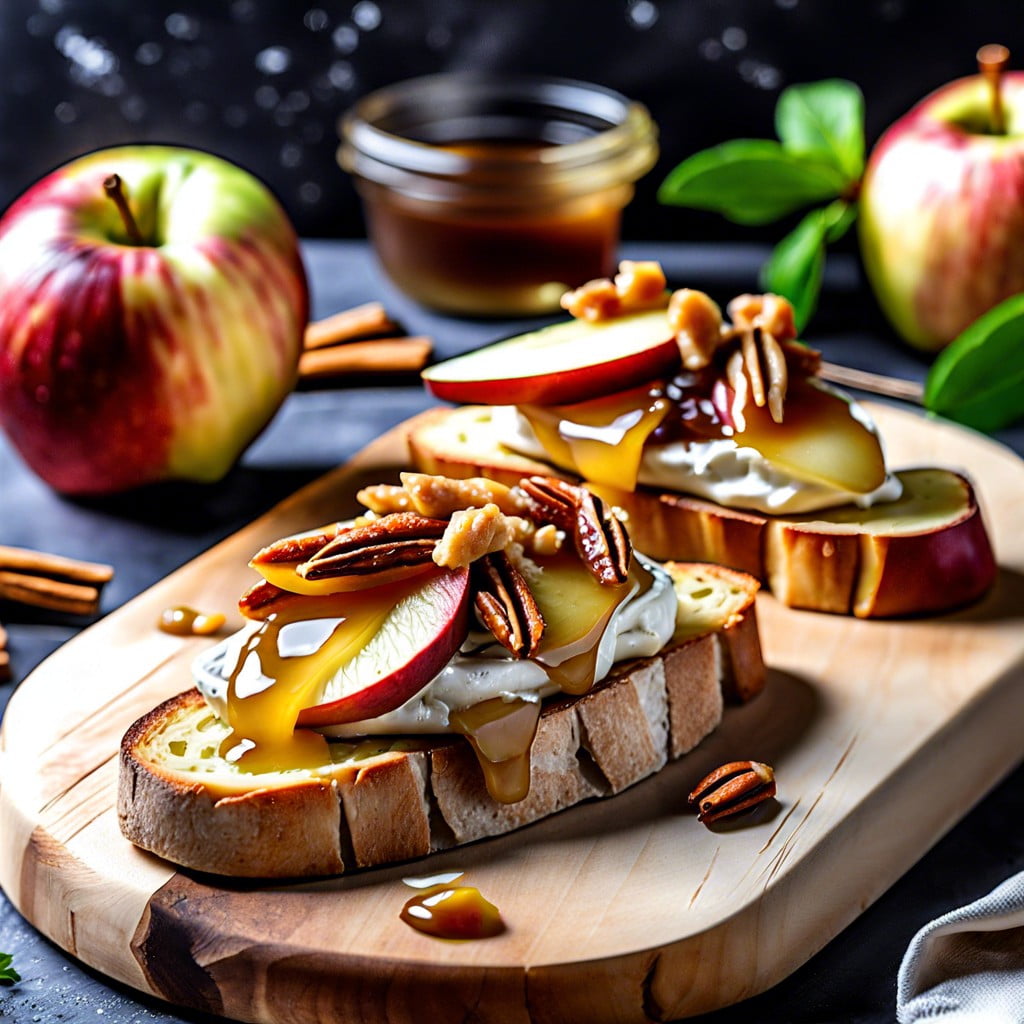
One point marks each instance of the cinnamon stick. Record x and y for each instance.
(383, 355)
(44, 592)
(42, 563)
(358, 322)
(5, 666)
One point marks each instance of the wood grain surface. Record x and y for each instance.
(883, 734)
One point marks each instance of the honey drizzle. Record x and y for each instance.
(282, 668)
(453, 912)
(603, 439)
(501, 733)
(181, 620)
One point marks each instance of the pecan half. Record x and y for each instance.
(601, 539)
(506, 605)
(552, 501)
(398, 539)
(299, 548)
(731, 789)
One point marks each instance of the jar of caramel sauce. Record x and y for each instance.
(492, 195)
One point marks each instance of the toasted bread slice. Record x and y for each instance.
(383, 800)
(925, 553)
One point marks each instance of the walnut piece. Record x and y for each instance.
(639, 285)
(772, 313)
(384, 499)
(475, 532)
(697, 322)
(442, 495)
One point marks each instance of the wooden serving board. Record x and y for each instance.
(883, 734)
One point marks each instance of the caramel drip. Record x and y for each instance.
(577, 610)
(604, 439)
(282, 668)
(181, 620)
(501, 733)
(453, 912)
(601, 439)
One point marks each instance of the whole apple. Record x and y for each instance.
(942, 210)
(152, 307)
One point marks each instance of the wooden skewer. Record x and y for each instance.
(383, 355)
(876, 383)
(358, 322)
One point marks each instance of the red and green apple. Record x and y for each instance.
(942, 209)
(152, 307)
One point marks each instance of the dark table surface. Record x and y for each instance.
(147, 534)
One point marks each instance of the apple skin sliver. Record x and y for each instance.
(420, 635)
(570, 361)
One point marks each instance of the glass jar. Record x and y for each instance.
(493, 194)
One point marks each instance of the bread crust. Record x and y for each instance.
(404, 803)
(822, 562)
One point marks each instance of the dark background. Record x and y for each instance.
(262, 82)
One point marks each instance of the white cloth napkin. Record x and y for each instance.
(968, 965)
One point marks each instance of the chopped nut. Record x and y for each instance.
(600, 538)
(731, 789)
(772, 313)
(385, 498)
(397, 540)
(640, 283)
(547, 540)
(552, 501)
(602, 541)
(697, 322)
(440, 496)
(595, 300)
(474, 532)
(506, 605)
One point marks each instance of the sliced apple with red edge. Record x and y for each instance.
(566, 362)
(418, 636)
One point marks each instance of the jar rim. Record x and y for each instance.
(589, 126)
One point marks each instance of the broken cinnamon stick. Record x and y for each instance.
(44, 592)
(42, 563)
(384, 355)
(358, 322)
(5, 666)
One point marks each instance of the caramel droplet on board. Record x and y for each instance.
(453, 912)
(184, 621)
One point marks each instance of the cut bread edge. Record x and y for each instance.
(415, 796)
(845, 561)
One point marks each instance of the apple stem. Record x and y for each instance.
(114, 188)
(992, 61)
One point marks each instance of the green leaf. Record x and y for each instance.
(750, 181)
(797, 263)
(7, 972)
(824, 121)
(978, 379)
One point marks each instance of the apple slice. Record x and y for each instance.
(819, 439)
(576, 610)
(418, 636)
(567, 362)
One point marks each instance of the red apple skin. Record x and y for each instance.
(124, 364)
(510, 374)
(404, 680)
(942, 212)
